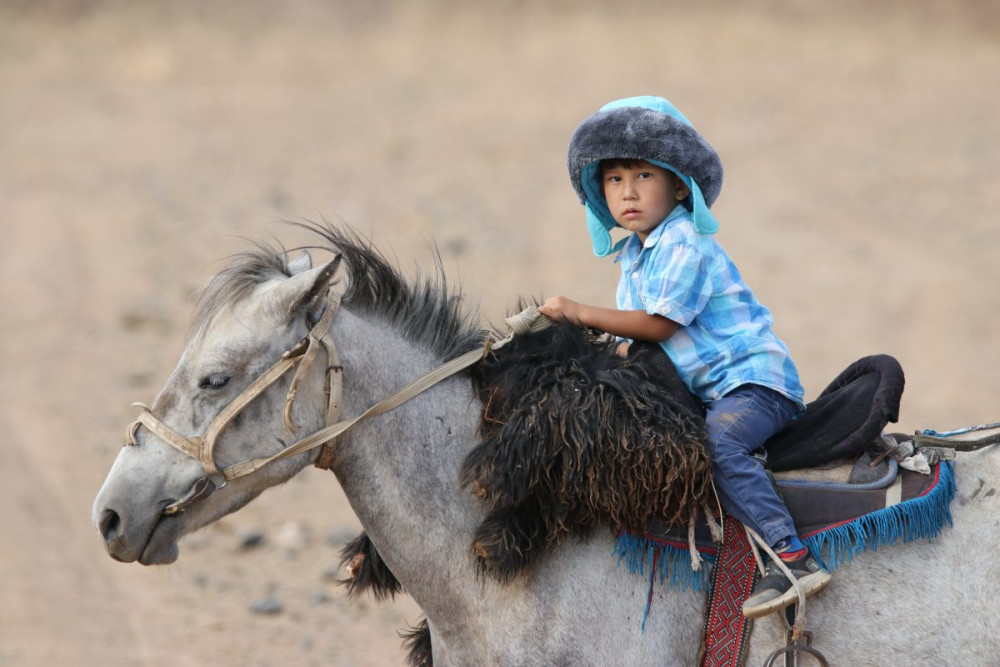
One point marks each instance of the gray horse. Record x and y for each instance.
(926, 603)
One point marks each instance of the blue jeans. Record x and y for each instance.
(738, 423)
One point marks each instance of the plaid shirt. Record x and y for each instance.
(725, 338)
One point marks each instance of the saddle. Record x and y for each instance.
(842, 431)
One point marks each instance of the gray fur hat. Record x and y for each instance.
(642, 128)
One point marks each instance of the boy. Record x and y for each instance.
(639, 164)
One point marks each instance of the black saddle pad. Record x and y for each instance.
(846, 419)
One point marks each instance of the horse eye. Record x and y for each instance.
(214, 382)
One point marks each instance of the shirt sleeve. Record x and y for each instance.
(679, 286)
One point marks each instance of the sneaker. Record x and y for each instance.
(775, 592)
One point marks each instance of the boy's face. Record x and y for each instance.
(640, 195)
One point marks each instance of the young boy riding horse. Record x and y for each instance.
(639, 164)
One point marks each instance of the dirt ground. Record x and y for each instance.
(142, 142)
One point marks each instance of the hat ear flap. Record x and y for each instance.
(599, 220)
(701, 216)
(600, 236)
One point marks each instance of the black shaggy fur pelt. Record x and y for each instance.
(574, 435)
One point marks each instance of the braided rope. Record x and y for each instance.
(756, 541)
(528, 320)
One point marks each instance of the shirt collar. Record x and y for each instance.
(654, 236)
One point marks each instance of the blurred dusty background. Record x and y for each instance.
(140, 141)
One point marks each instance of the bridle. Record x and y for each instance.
(301, 356)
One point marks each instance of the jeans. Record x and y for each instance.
(738, 423)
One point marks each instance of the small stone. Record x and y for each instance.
(251, 538)
(268, 605)
(318, 598)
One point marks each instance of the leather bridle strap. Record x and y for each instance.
(202, 447)
(327, 434)
(334, 395)
(529, 320)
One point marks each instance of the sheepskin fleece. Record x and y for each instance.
(573, 435)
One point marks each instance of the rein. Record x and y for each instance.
(301, 357)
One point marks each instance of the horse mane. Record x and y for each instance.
(426, 311)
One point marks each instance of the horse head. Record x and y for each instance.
(175, 473)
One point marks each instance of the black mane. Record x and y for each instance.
(428, 312)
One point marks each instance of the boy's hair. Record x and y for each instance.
(623, 162)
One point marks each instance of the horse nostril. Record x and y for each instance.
(109, 525)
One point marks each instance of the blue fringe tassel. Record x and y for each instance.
(914, 519)
(673, 563)
(641, 555)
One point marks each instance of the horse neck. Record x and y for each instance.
(400, 470)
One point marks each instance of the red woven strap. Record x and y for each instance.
(727, 631)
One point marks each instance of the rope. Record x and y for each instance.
(692, 545)
(800, 611)
(959, 431)
(714, 527)
(928, 439)
(528, 320)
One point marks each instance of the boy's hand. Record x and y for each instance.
(634, 324)
(559, 307)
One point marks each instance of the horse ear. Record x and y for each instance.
(304, 291)
(313, 301)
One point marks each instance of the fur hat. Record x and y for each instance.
(642, 128)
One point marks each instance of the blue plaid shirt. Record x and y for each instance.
(725, 338)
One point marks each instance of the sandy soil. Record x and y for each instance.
(140, 142)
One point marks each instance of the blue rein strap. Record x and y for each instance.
(931, 439)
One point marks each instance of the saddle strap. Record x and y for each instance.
(726, 630)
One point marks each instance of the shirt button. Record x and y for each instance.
(635, 275)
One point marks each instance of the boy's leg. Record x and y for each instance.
(738, 424)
